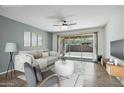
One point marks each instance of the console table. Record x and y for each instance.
(117, 71)
(113, 70)
(104, 62)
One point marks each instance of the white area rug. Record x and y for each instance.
(76, 79)
(22, 77)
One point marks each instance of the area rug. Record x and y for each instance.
(22, 77)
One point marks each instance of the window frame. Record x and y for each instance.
(38, 37)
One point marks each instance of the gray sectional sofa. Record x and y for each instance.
(35, 57)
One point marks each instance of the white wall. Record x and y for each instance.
(101, 39)
(54, 42)
(114, 31)
(101, 42)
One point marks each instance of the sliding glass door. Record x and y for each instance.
(79, 46)
(72, 46)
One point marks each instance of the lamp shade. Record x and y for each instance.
(10, 47)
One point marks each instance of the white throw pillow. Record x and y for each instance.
(45, 54)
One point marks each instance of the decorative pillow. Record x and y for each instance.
(45, 54)
(34, 53)
(39, 53)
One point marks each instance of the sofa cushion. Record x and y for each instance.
(51, 59)
(45, 54)
(39, 53)
(42, 62)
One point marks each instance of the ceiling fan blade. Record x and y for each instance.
(57, 25)
(60, 17)
(72, 24)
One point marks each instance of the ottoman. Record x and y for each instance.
(64, 68)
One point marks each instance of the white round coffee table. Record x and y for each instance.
(64, 68)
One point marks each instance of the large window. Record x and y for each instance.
(32, 39)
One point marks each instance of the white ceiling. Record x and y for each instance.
(45, 16)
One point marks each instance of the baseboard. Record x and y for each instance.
(5, 72)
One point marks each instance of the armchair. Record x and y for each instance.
(34, 77)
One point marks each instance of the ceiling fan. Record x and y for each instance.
(65, 23)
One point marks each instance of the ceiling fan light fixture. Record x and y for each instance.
(65, 27)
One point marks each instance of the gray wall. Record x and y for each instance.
(13, 31)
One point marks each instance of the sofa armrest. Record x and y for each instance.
(30, 56)
(20, 59)
(26, 57)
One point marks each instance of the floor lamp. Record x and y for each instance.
(10, 48)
